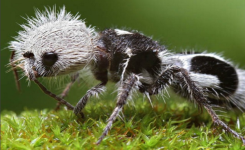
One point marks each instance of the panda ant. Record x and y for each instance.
(56, 43)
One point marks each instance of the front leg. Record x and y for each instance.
(60, 100)
(123, 94)
(67, 89)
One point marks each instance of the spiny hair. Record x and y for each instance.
(58, 32)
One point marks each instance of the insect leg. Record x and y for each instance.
(67, 89)
(164, 80)
(16, 77)
(217, 121)
(198, 96)
(123, 94)
(46, 91)
(195, 93)
(92, 92)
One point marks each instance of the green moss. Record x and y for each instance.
(174, 125)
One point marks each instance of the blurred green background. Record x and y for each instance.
(216, 26)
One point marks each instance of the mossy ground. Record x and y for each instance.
(174, 125)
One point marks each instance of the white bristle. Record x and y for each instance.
(58, 32)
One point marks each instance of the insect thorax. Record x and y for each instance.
(115, 48)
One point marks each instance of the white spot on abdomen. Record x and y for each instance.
(205, 80)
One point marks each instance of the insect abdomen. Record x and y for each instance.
(230, 90)
(226, 74)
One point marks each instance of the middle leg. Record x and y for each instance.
(123, 94)
(83, 101)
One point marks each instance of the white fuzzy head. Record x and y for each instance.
(53, 43)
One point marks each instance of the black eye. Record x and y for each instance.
(28, 55)
(49, 59)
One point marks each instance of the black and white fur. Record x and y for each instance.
(57, 43)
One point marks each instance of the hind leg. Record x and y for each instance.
(192, 91)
